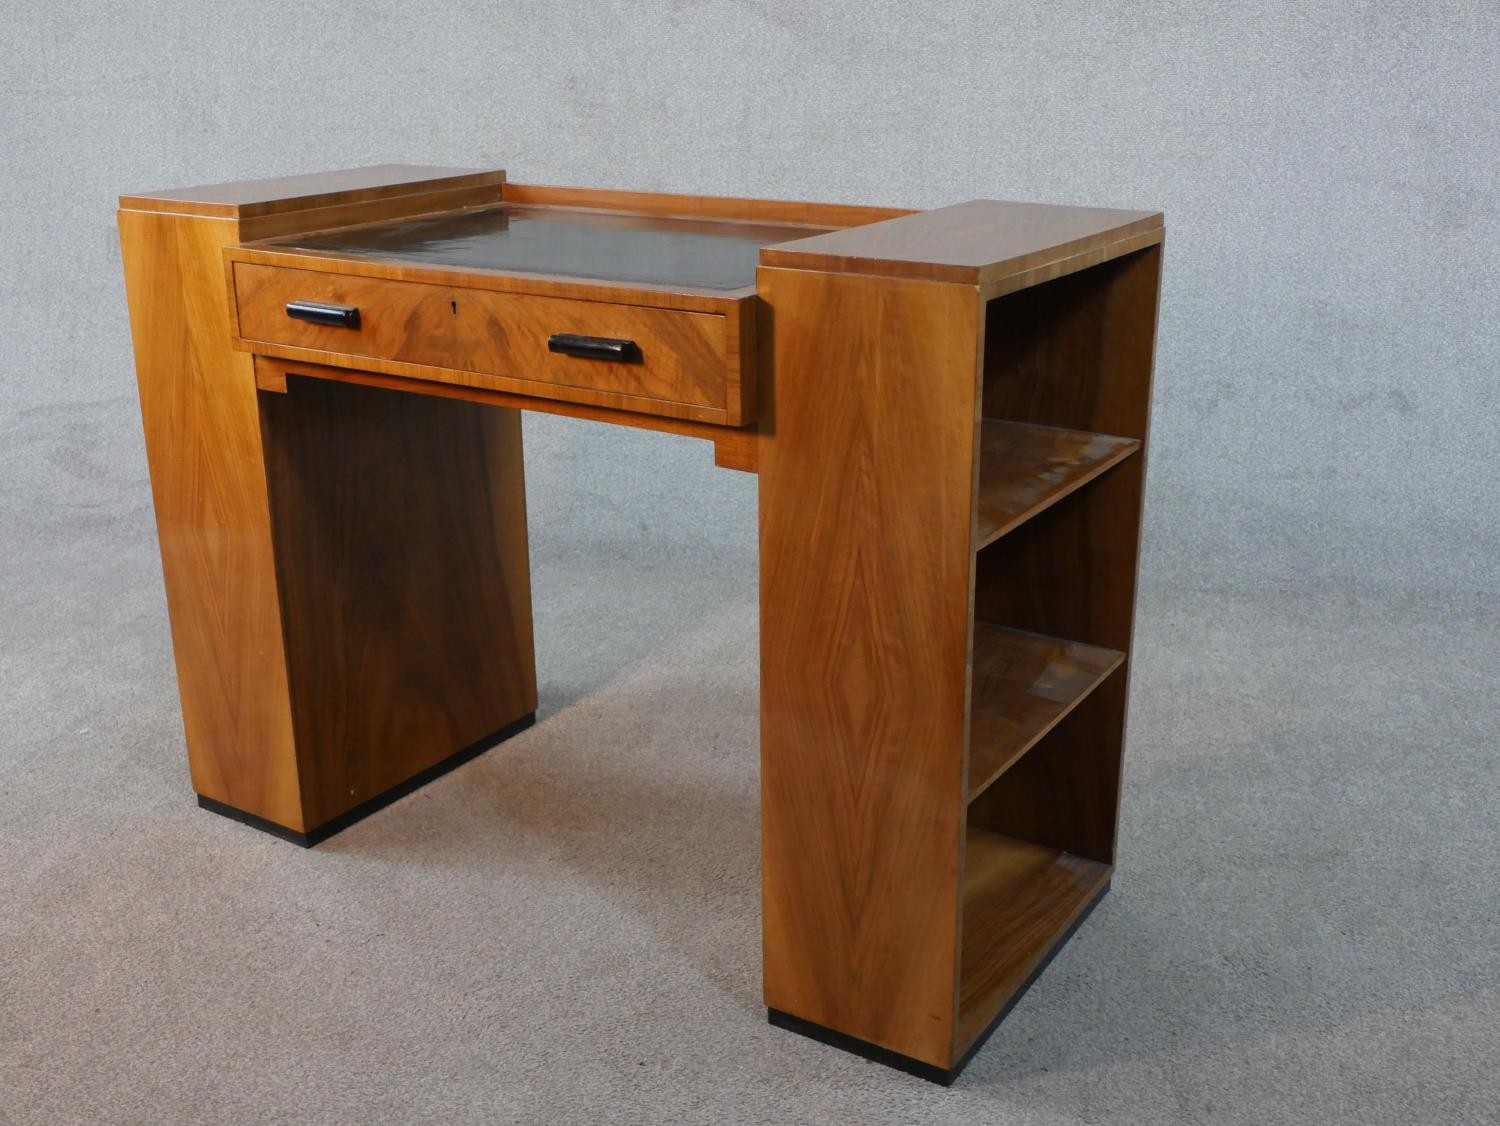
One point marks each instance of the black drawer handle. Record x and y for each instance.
(344, 316)
(593, 347)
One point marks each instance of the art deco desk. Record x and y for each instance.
(948, 414)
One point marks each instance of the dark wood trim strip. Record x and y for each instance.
(375, 804)
(943, 1076)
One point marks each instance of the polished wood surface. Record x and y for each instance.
(1017, 751)
(494, 339)
(734, 447)
(820, 215)
(202, 431)
(981, 242)
(1020, 899)
(1024, 468)
(249, 199)
(1069, 573)
(1076, 353)
(401, 555)
(1023, 685)
(866, 524)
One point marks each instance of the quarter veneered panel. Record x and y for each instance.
(866, 517)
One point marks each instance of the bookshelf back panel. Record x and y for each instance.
(1070, 571)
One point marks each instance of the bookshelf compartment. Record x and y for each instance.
(1024, 468)
(1076, 352)
(1024, 684)
(1065, 389)
(1020, 901)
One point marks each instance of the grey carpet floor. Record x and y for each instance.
(1303, 925)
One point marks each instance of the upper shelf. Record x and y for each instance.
(1023, 468)
(614, 246)
(989, 243)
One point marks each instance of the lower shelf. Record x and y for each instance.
(1020, 903)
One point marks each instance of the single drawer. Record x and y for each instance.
(664, 361)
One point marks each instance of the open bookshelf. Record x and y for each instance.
(951, 490)
(1065, 391)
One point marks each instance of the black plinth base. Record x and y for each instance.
(873, 1052)
(379, 801)
(931, 1072)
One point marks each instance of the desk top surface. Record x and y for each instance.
(610, 246)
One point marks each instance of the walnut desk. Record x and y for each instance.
(948, 414)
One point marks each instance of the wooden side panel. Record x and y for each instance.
(402, 558)
(255, 723)
(198, 405)
(867, 466)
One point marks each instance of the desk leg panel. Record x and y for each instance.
(202, 432)
(866, 520)
(401, 556)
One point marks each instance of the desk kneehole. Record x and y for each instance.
(680, 360)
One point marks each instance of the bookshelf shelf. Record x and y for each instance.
(1020, 901)
(1025, 468)
(1023, 684)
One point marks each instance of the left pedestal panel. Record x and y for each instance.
(346, 571)
(202, 429)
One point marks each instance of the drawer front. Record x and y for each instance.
(678, 357)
